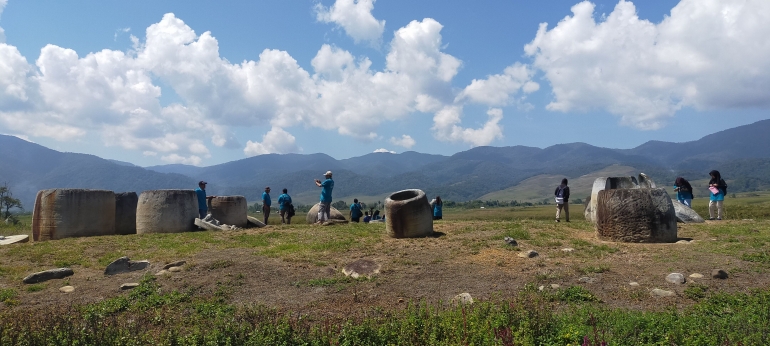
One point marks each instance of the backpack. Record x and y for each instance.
(724, 185)
(560, 195)
(291, 210)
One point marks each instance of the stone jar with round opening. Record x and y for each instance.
(230, 210)
(408, 214)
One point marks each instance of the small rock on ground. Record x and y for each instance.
(555, 286)
(161, 272)
(633, 284)
(695, 276)
(662, 293)
(675, 278)
(463, 298)
(175, 264)
(125, 265)
(683, 241)
(719, 274)
(588, 280)
(361, 267)
(129, 286)
(528, 254)
(567, 249)
(175, 269)
(58, 273)
(510, 241)
(67, 289)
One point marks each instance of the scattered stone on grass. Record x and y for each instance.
(253, 221)
(542, 287)
(67, 289)
(719, 274)
(510, 241)
(14, 239)
(588, 280)
(528, 254)
(633, 284)
(555, 286)
(129, 286)
(683, 241)
(174, 269)
(675, 278)
(174, 264)
(161, 272)
(361, 267)
(463, 298)
(567, 249)
(46, 275)
(125, 265)
(662, 293)
(695, 276)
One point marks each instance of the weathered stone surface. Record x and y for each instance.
(685, 214)
(312, 215)
(209, 226)
(175, 264)
(408, 214)
(555, 286)
(166, 211)
(125, 265)
(254, 221)
(174, 269)
(528, 254)
(636, 216)
(14, 239)
(696, 276)
(230, 210)
(567, 249)
(633, 284)
(588, 280)
(361, 267)
(162, 272)
(645, 182)
(129, 286)
(67, 289)
(46, 275)
(66, 213)
(125, 212)
(605, 183)
(719, 274)
(662, 293)
(675, 278)
(510, 241)
(463, 298)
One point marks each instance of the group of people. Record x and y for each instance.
(356, 213)
(717, 192)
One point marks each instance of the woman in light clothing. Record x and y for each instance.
(718, 189)
(683, 191)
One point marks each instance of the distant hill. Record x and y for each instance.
(522, 173)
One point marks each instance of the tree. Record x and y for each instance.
(7, 202)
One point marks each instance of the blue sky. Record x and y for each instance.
(202, 83)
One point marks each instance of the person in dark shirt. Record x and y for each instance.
(561, 194)
(355, 211)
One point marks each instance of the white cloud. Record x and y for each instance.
(383, 150)
(405, 141)
(706, 54)
(446, 129)
(174, 158)
(275, 141)
(355, 17)
(2, 32)
(497, 89)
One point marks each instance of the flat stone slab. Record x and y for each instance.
(361, 267)
(129, 286)
(675, 278)
(125, 265)
(633, 284)
(528, 254)
(685, 214)
(175, 269)
(254, 221)
(209, 226)
(14, 239)
(67, 289)
(662, 293)
(51, 274)
(696, 276)
(175, 264)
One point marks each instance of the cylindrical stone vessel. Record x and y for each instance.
(166, 211)
(125, 212)
(65, 213)
(230, 210)
(408, 214)
(636, 216)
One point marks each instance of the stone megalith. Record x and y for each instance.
(607, 183)
(166, 211)
(635, 215)
(408, 214)
(230, 210)
(312, 215)
(65, 213)
(685, 214)
(125, 212)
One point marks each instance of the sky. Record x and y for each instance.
(203, 82)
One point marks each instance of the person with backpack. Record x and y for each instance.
(718, 189)
(683, 191)
(562, 200)
(355, 211)
(285, 208)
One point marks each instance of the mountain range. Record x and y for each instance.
(742, 154)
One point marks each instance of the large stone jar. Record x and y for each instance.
(312, 215)
(230, 210)
(408, 214)
(65, 213)
(166, 211)
(635, 215)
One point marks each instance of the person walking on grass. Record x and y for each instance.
(718, 189)
(561, 194)
(355, 211)
(285, 207)
(324, 207)
(202, 199)
(266, 202)
(683, 191)
(436, 204)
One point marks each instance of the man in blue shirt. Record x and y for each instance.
(266, 203)
(355, 211)
(324, 211)
(202, 199)
(285, 206)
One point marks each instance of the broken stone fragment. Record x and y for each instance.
(125, 265)
(58, 273)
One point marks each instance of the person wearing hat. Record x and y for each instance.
(202, 199)
(266, 202)
(324, 211)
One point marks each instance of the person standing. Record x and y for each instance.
(718, 189)
(285, 207)
(561, 194)
(683, 191)
(355, 211)
(202, 199)
(266, 202)
(324, 211)
(437, 205)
